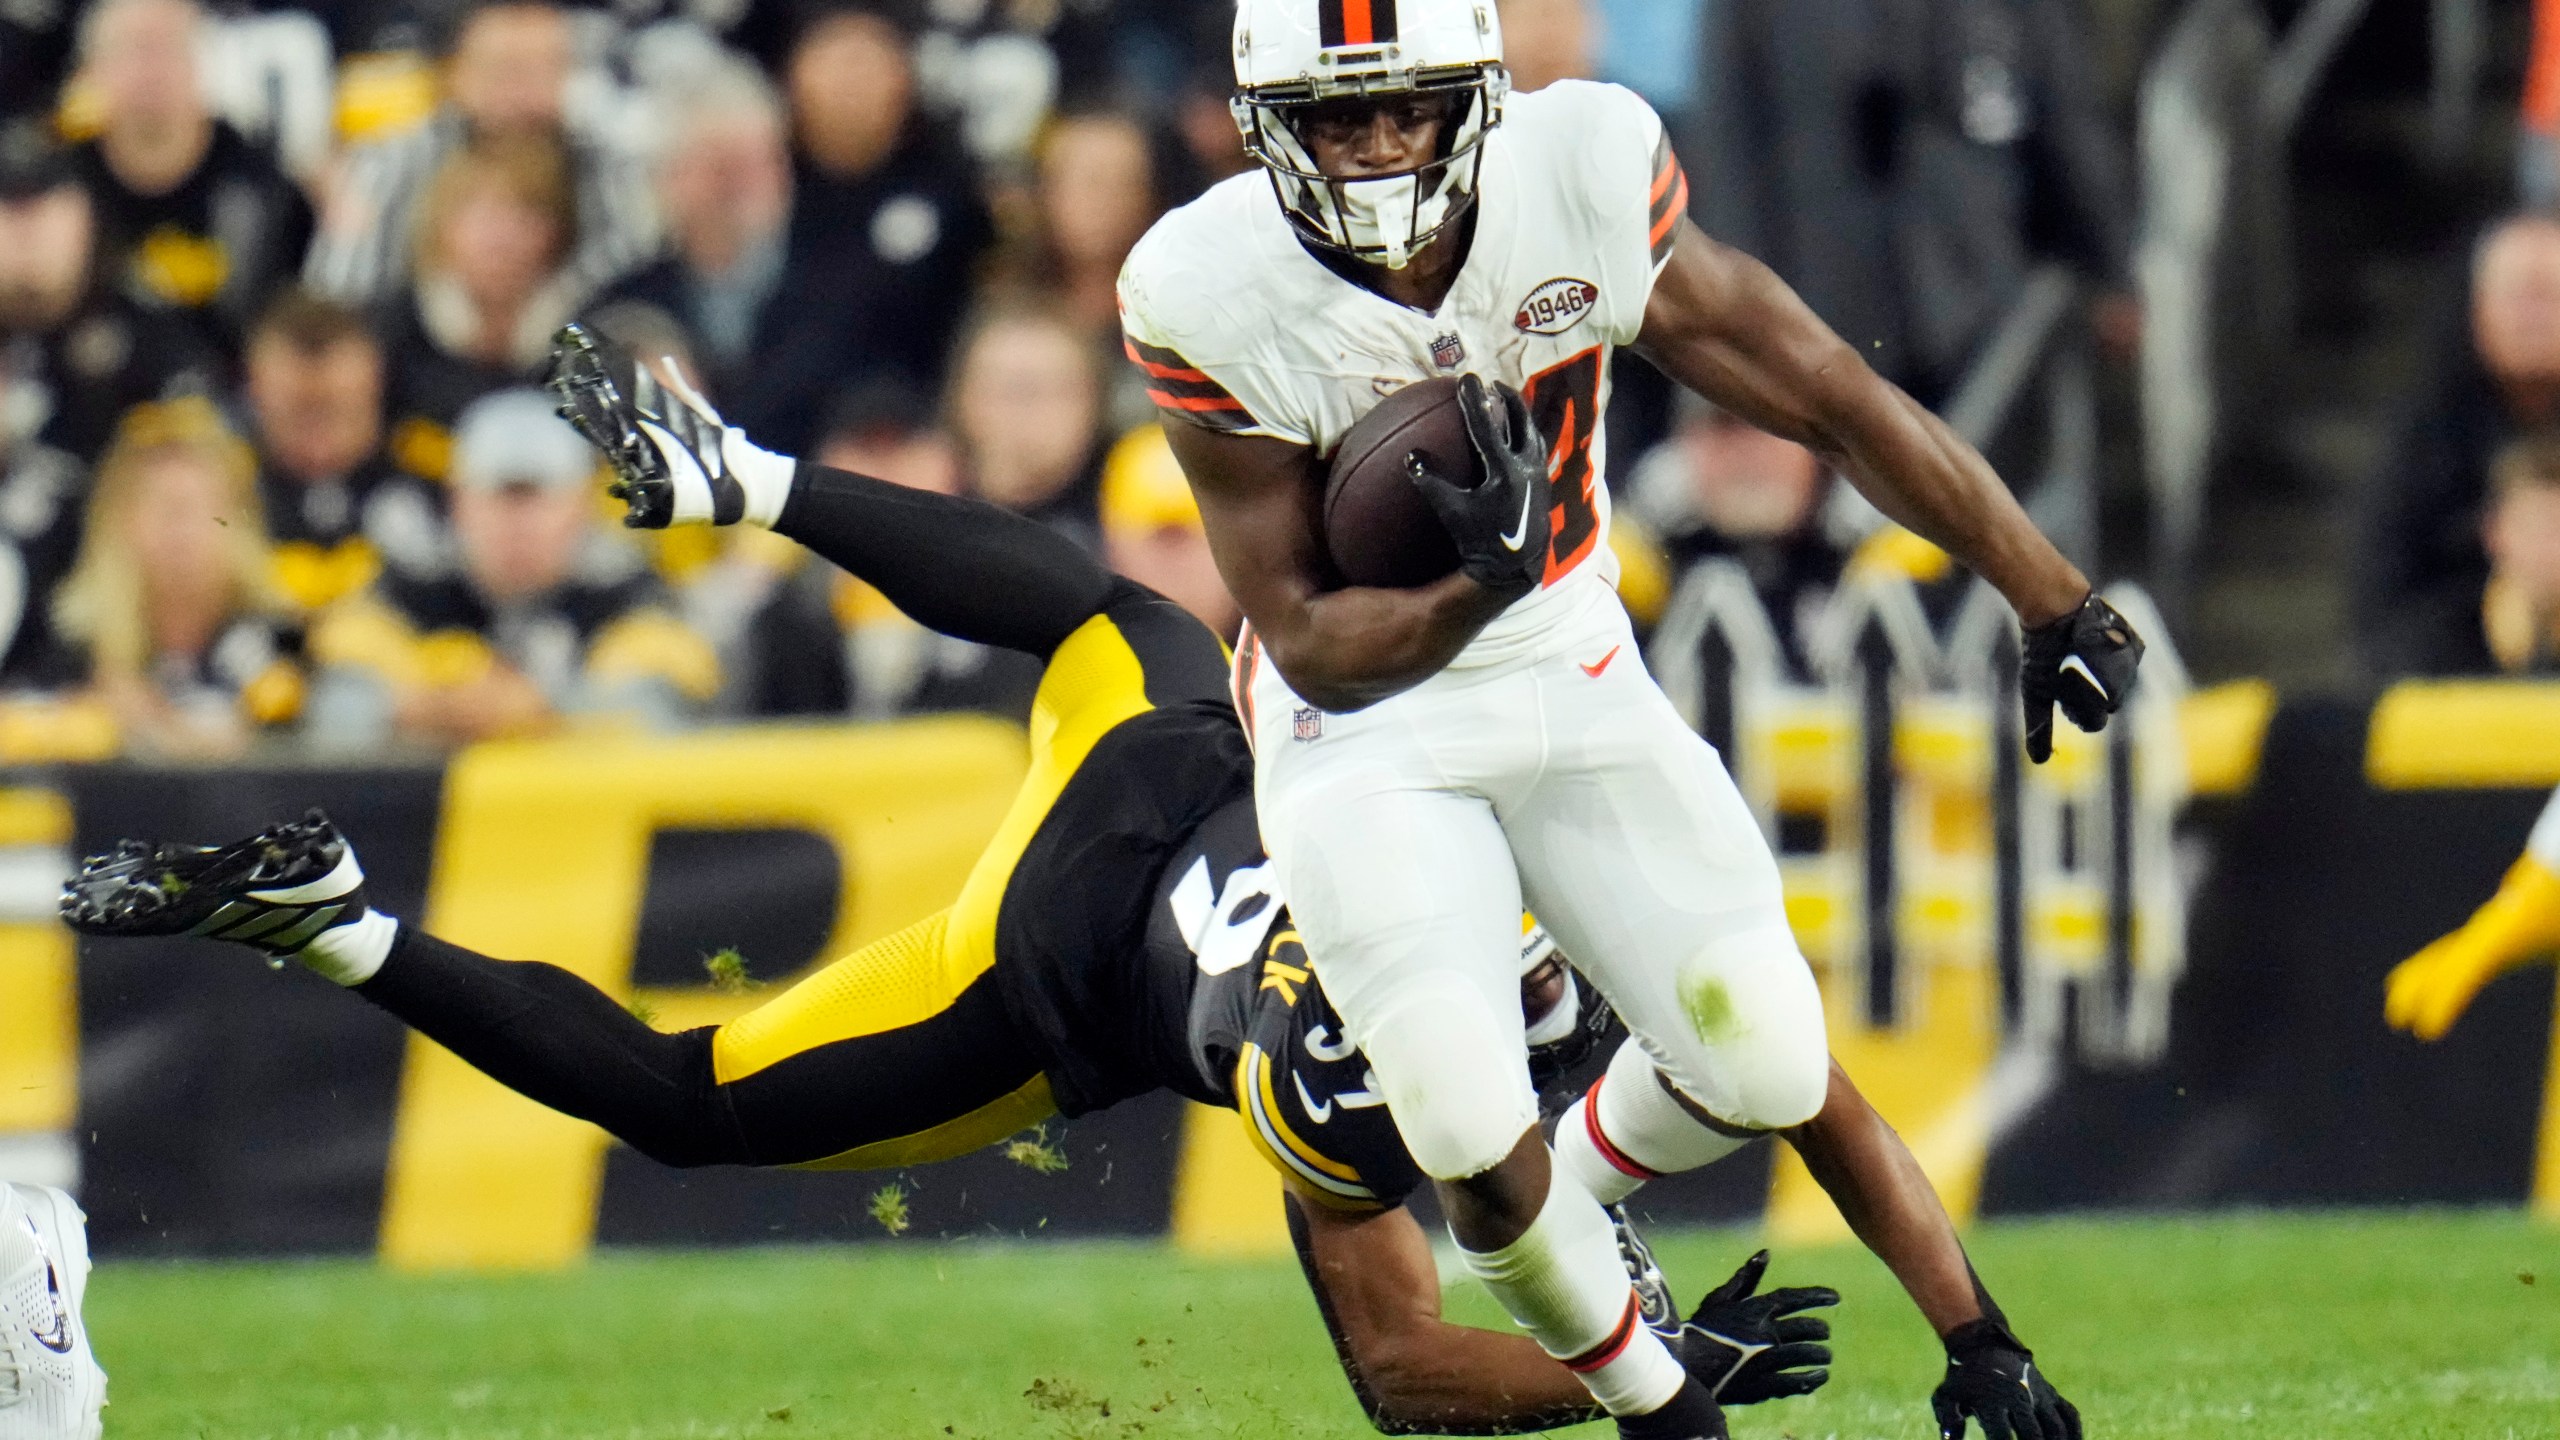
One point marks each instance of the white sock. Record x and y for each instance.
(1628, 1130)
(764, 475)
(1562, 1281)
(351, 954)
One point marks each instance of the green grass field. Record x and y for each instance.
(2284, 1328)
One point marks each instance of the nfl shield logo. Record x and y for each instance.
(1307, 723)
(1448, 352)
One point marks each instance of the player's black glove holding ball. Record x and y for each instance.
(1993, 1379)
(1748, 1348)
(2083, 662)
(1501, 524)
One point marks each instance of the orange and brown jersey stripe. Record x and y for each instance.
(1177, 385)
(1355, 22)
(1670, 199)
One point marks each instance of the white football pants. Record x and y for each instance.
(1408, 835)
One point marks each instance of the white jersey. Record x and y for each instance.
(1239, 328)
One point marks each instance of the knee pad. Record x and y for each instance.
(1455, 1074)
(1755, 1052)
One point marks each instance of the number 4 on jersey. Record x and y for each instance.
(1565, 399)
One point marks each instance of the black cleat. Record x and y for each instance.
(662, 440)
(1653, 1289)
(1692, 1415)
(276, 890)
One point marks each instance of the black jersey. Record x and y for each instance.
(1219, 1003)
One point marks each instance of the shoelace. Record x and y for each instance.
(13, 1369)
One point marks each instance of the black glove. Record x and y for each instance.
(1748, 1348)
(1501, 524)
(2084, 662)
(1992, 1378)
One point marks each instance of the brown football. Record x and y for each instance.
(1376, 524)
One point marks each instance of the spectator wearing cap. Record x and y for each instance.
(547, 616)
(506, 77)
(189, 213)
(772, 333)
(494, 232)
(1151, 530)
(80, 351)
(886, 196)
(1026, 409)
(336, 507)
(170, 617)
(891, 665)
(2495, 379)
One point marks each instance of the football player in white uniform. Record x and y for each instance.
(2429, 991)
(1428, 759)
(50, 1385)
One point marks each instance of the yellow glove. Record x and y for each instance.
(2429, 991)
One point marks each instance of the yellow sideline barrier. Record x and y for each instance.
(543, 851)
(39, 993)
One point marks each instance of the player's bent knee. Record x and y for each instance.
(1754, 1016)
(1456, 1078)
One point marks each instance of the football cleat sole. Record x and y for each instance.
(275, 890)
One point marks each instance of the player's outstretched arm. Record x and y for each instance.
(1724, 325)
(1341, 649)
(1416, 1373)
(1880, 1189)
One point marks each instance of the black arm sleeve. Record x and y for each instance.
(962, 567)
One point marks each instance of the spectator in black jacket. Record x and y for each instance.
(190, 215)
(80, 352)
(2496, 378)
(886, 199)
(771, 333)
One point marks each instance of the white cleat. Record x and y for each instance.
(50, 1385)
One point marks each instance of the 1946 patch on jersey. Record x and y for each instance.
(1557, 306)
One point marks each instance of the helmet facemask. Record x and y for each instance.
(1382, 219)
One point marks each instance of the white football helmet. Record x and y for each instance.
(1295, 53)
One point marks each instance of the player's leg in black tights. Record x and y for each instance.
(552, 1037)
(549, 1036)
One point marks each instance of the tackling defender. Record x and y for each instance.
(1428, 760)
(1119, 936)
(2429, 991)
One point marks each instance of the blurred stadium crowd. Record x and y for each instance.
(274, 283)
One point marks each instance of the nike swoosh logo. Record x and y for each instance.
(2074, 665)
(1317, 1113)
(1520, 532)
(1594, 670)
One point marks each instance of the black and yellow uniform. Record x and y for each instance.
(1112, 940)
